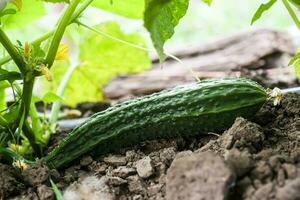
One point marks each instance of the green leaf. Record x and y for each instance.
(10, 11)
(31, 10)
(101, 59)
(51, 97)
(297, 69)
(262, 8)
(160, 19)
(208, 2)
(9, 76)
(295, 59)
(128, 8)
(56, 191)
(12, 114)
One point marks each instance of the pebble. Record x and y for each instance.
(135, 185)
(144, 167)
(89, 188)
(115, 181)
(123, 172)
(115, 160)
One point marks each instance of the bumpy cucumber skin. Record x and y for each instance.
(206, 106)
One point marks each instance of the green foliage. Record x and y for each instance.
(99, 63)
(208, 2)
(262, 8)
(57, 1)
(160, 18)
(31, 10)
(128, 8)
(295, 2)
(2, 96)
(295, 61)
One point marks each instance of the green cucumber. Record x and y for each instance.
(206, 106)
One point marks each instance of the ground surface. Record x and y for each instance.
(257, 159)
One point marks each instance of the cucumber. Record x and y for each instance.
(206, 106)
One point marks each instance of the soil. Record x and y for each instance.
(256, 159)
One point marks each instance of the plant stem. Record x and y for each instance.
(60, 91)
(28, 84)
(80, 10)
(292, 13)
(59, 32)
(12, 51)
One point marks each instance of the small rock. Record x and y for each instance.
(264, 191)
(153, 190)
(291, 190)
(123, 172)
(167, 155)
(144, 167)
(45, 193)
(184, 154)
(36, 174)
(98, 168)
(115, 181)
(131, 156)
(85, 161)
(138, 197)
(89, 188)
(200, 176)
(115, 160)
(135, 185)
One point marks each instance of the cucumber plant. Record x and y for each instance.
(23, 132)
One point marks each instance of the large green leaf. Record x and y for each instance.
(128, 8)
(101, 59)
(160, 18)
(262, 8)
(31, 10)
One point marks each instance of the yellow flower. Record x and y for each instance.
(27, 50)
(13, 147)
(17, 3)
(20, 165)
(46, 72)
(62, 52)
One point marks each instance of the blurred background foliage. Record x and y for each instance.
(100, 58)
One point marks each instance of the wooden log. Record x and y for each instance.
(237, 55)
